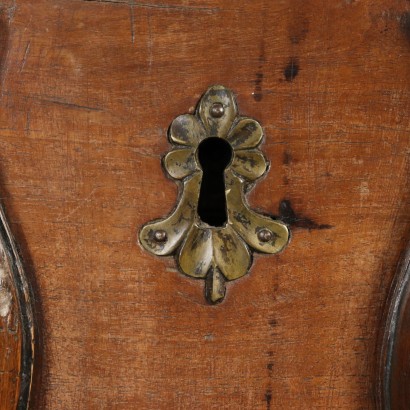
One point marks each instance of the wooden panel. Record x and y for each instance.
(88, 89)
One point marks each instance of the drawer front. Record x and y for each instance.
(88, 92)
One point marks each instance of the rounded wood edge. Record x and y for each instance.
(17, 321)
(390, 387)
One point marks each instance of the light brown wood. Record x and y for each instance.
(88, 90)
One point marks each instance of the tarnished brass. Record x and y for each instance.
(215, 254)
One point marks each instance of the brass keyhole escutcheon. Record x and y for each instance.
(212, 232)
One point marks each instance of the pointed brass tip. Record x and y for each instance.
(215, 289)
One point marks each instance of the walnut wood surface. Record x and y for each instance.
(88, 90)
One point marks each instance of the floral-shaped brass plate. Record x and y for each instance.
(221, 252)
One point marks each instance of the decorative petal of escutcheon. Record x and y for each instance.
(217, 253)
(217, 111)
(260, 232)
(180, 163)
(246, 134)
(249, 164)
(164, 236)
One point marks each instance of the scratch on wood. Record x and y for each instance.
(190, 299)
(149, 43)
(209, 10)
(177, 7)
(26, 53)
(108, 1)
(4, 49)
(27, 127)
(132, 22)
(81, 203)
(69, 104)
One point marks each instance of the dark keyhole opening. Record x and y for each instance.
(214, 155)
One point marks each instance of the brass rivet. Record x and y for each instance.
(160, 236)
(265, 235)
(217, 110)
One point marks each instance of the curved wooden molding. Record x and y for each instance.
(394, 369)
(16, 325)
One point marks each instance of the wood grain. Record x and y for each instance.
(88, 90)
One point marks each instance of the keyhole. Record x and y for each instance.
(214, 155)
